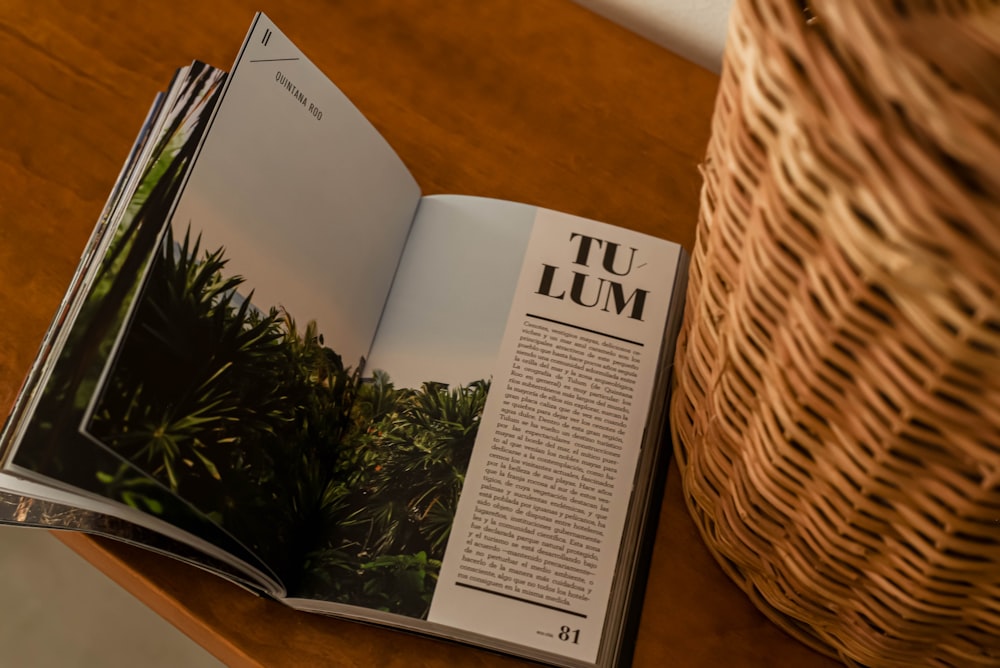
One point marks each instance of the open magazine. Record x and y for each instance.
(281, 363)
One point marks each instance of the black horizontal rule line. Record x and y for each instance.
(586, 329)
(522, 600)
(272, 60)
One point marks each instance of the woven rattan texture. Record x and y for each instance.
(836, 412)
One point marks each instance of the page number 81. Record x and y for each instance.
(566, 634)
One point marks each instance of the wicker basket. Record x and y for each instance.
(837, 405)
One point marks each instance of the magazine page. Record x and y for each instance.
(229, 382)
(532, 554)
(48, 447)
(494, 444)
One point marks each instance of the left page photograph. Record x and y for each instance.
(213, 354)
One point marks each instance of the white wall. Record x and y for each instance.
(695, 29)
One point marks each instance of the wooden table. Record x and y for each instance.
(536, 101)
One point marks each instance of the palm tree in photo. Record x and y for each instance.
(238, 412)
(402, 472)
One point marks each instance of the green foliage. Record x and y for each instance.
(401, 583)
(259, 425)
(409, 455)
(395, 495)
(178, 392)
(236, 411)
(137, 491)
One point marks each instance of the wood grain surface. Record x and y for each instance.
(540, 102)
